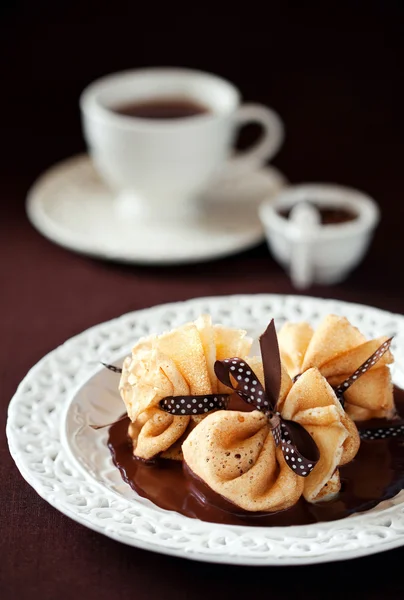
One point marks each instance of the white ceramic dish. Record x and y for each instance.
(69, 465)
(71, 206)
(315, 253)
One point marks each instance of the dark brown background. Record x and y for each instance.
(333, 72)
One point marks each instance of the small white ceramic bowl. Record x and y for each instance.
(310, 251)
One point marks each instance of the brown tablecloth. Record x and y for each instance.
(335, 79)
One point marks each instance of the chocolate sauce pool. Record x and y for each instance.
(328, 215)
(375, 474)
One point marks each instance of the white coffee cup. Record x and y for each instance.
(312, 252)
(159, 167)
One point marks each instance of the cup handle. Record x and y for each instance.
(269, 142)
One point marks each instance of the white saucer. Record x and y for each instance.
(71, 206)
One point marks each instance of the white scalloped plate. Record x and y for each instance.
(69, 465)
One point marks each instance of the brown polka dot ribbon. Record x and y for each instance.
(112, 368)
(248, 386)
(288, 434)
(368, 364)
(298, 447)
(194, 405)
(302, 465)
(390, 430)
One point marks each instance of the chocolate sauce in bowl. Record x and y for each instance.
(375, 474)
(328, 215)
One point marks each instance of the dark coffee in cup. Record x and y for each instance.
(162, 108)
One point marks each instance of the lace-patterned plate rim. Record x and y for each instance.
(35, 423)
